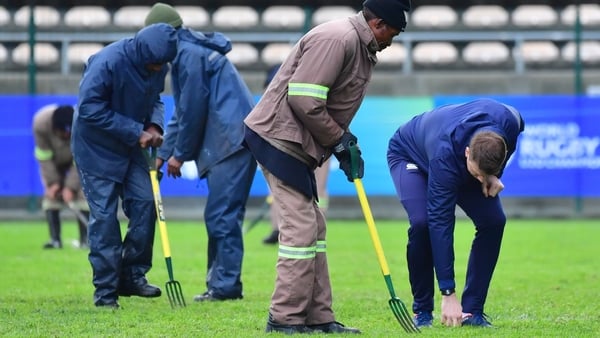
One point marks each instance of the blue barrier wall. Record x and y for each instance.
(556, 157)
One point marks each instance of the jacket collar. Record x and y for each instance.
(364, 32)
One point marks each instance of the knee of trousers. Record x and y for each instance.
(492, 222)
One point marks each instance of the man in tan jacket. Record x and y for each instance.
(300, 121)
(52, 134)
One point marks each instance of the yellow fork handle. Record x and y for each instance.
(364, 203)
(162, 225)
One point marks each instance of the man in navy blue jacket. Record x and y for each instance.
(453, 155)
(211, 102)
(119, 114)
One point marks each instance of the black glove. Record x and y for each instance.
(342, 151)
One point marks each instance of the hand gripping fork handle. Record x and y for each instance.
(172, 286)
(398, 307)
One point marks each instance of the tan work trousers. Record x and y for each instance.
(302, 294)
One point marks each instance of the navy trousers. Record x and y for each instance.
(114, 259)
(229, 183)
(489, 220)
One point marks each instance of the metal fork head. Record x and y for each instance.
(175, 294)
(403, 316)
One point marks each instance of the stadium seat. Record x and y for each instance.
(434, 53)
(193, 16)
(328, 13)
(485, 16)
(485, 53)
(235, 17)
(539, 52)
(275, 53)
(45, 54)
(589, 53)
(284, 17)
(433, 16)
(78, 53)
(394, 55)
(44, 16)
(130, 17)
(589, 15)
(542, 16)
(87, 17)
(243, 54)
(4, 16)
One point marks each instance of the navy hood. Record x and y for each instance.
(155, 44)
(214, 40)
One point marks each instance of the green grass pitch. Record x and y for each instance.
(546, 284)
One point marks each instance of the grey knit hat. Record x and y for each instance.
(390, 11)
(163, 13)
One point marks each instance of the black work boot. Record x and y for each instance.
(53, 219)
(273, 326)
(83, 237)
(334, 327)
(139, 287)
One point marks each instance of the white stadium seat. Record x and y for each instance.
(87, 16)
(538, 52)
(243, 54)
(284, 17)
(328, 13)
(235, 17)
(44, 16)
(589, 53)
(78, 53)
(434, 53)
(486, 53)
(483, 16)
(589, 15)
(131, 17)
(193, 16)
(275, 53)
(393, 55)
(433, 16)
(4, 16)
(534, 16)
(45, 54)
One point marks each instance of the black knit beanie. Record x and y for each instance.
(62, 118)
(390, 11)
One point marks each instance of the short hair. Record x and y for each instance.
(489, 151)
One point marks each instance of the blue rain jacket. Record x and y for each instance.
(211, 102)
(435, 141)
(118, 99)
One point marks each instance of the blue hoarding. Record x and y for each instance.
(556, 156)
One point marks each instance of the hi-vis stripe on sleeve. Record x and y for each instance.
(297, 253)
(42, 154)
(321, 246)
(307, 89)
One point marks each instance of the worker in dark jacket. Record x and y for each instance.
(453, 155)
(211, 102)
(120, 114)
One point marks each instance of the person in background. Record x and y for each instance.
(453, 155)
(120, 115)
(321, 176)
(300, 121)
(211, 102)
(52, 135)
